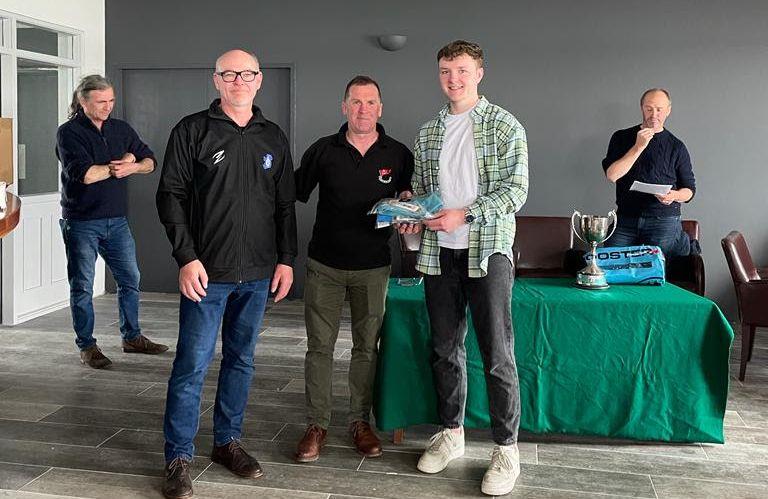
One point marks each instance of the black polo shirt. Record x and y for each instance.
(80, 145)
(344, 236)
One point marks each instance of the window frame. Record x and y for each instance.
(9, 60)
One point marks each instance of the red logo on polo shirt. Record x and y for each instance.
(385, 175)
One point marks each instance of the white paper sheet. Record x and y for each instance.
(659, 189)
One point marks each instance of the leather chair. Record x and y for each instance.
(543, 247)
(688, 271)
(751, 285)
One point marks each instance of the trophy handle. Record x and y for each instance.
(573, 226)
(612, 214)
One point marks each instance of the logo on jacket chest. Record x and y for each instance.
(218, 157)
(266, 161)
(385, 175)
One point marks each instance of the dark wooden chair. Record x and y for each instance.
(751, 286)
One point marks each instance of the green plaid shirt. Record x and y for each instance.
(502, 162)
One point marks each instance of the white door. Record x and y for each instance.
(38, 74)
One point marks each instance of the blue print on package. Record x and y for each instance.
(631, 264)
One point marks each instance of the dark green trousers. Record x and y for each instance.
(324, 291)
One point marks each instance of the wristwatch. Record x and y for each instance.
(468, 217)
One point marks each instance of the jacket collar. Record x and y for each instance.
(215, 111)
(85, 121)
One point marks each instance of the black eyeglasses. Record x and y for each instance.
(230, 76)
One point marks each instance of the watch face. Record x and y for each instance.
(469, 218)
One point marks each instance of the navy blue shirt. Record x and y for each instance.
(664, 161)
(80, 145)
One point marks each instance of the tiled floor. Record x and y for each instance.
(66, 430)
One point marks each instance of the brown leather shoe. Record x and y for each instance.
(311, 444)
(233, 457)
(93, 357)
(178, 483)
(142, 344)
(366, 441)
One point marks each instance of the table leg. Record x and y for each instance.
(398, 436)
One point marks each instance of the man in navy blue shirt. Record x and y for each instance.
(650, 153)
(97, 154)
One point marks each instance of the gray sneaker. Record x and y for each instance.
(443, 447)
(93, 357)
(500, 478)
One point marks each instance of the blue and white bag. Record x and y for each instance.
(631, 264)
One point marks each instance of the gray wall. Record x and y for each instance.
(572, 72)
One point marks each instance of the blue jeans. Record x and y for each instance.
(665, 232)
(111, 238)
(241, 306)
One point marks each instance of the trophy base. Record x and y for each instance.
(591, 281)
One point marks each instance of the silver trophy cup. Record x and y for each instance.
(593, 230)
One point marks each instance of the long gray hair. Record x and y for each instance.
(86, 86)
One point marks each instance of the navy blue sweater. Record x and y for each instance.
(664, 161)
(80, 145)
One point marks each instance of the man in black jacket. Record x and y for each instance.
(98, 153)
(226, 198)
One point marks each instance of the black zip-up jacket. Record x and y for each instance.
(227, 194)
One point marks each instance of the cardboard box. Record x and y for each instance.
(6, 150)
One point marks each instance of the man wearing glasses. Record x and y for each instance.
(226, 198)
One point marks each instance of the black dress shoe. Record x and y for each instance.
(235, 459)
(178, 483)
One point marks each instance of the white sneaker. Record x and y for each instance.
(500, 478)
(443, 447)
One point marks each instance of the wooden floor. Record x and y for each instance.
(70, 431)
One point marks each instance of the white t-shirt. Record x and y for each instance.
(458, 174)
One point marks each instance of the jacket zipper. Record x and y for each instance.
(244, 170)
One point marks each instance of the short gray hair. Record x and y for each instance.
(87, 85)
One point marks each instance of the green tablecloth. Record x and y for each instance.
(642, 362)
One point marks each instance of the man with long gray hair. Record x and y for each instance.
(97, 154)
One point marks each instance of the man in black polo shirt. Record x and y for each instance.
(650, 153)
(97, 154)
(354, 168)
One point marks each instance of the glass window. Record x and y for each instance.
(43, 40)
(43, 91)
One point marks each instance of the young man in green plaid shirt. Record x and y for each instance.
(476, 155)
